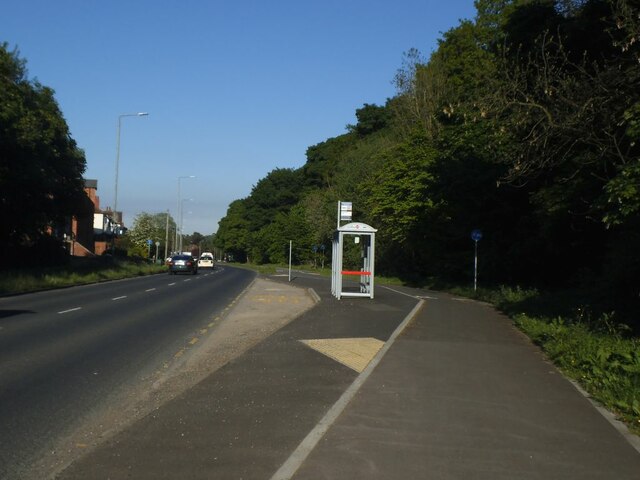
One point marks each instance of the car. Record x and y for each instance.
(183, 264)
(206, 260)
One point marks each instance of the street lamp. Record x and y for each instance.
(178, 211)
(181, 217)
(139, 114)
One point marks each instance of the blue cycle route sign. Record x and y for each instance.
(476, 235)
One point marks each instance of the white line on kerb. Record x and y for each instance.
(409, 295)
(70, 310)
(293, 463)
(119, 298)
(398, 291)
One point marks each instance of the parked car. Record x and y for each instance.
(183, 264)
(206, 260)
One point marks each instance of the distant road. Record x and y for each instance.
(65, 354)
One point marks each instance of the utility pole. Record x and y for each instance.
(166, 237)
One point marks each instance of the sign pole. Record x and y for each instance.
(290, 248)
(475, 269)
(476, 235)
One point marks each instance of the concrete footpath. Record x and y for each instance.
(410, 385)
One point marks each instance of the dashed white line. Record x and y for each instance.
(172, 283)
(119, 298)
(71, 310)
(149, 289)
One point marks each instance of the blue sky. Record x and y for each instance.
(233, 88)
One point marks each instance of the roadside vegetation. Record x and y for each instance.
(79, 272)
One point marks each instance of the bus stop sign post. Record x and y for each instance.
(476, 236)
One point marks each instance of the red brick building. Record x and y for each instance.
(90, 231)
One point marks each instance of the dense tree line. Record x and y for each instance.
(41, 167)
(524, 123)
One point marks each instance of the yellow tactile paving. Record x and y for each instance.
(355, 353)
(275, 299)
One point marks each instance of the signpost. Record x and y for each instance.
(290, 252)
(345, 212)
(476, 236)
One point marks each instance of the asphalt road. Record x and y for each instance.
(66, 354)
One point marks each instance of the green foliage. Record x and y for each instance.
(41, 184)
(147, 226)
(234, 234)
(398, 196)
(524, 123)
(81, 271)
(276, 193)
(323, 160)
(271, 243)
(371, 118)
(623, 193)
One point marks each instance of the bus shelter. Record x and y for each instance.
(357, 282)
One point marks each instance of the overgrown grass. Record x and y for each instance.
(591, 348)
(80, 272)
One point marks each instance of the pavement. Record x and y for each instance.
(412, 384)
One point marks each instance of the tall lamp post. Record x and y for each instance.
(181, 217)
(139, 114)
(179, 212)
(166, 237)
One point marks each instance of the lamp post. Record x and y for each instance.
(166, 238)
(115, 198)
(179, 212)
(181, 217)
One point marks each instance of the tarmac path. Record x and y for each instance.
(411, 384)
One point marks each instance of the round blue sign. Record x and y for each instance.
(476, 235)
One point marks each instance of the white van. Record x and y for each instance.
(206, 260)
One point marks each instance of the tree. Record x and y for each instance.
(233, 234)
(398, 195)
(41, 167)
(276, 193)
(147, 226)
(569, 96)
(371, 118)
(272, 242)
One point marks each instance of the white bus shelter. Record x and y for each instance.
(363, 284)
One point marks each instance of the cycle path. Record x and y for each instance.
(410, 384)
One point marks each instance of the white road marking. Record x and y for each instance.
(149, 289)
(71, 310)
(398, 291)
(119, 298)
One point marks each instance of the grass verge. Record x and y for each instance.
(79, 272)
